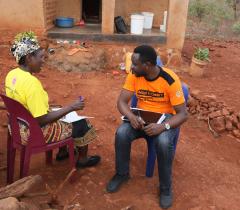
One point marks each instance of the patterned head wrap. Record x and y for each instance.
(24, 44)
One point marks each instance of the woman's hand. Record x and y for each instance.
(56, 115)
(78, 105)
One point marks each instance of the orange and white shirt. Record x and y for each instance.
(158, 95)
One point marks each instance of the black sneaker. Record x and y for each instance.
(166, 200)
(117, 180)
(92, 161)
(64, 154)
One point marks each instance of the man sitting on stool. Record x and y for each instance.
(158, 90)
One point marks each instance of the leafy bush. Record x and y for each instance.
(219, 10)
(198, 9)
(236, 28)
(209, 9)
(202, 54)
(234, 5)
(213, 13)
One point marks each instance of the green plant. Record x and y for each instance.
(219, 9)
(29, 34)
(202, 54)
(198, 9)
(234, 5)
(208, 9)
(236, 28)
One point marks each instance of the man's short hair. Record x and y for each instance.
(147, 54)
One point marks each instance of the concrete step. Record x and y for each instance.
(149, 36)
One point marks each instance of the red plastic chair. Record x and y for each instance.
(36, 142)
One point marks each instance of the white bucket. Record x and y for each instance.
(148, 20)
(137, 22)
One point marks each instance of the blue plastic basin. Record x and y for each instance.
(64, 22)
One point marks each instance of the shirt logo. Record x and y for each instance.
(147, 93)
(14, 81)
(178, 93)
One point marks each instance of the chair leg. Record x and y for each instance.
(151, 158)
(10, 165)
(22, 158)
(9, 146)
(26, 163)
(11, 153)
(49, 155)
(71, 154)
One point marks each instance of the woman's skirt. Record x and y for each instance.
(82, 132)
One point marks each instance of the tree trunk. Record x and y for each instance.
(235, 8)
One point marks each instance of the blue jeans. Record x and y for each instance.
(164, 145)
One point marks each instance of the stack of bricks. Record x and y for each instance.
(221, 118)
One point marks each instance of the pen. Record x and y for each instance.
(81, 98)
(140, 118)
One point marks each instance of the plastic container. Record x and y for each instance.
(164, 25)
(64, 22)
(128, 62)
(159, 61)
(148, 20)
(137, 22)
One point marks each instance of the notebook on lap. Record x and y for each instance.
(147, 116)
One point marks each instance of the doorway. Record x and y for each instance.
(92, 11)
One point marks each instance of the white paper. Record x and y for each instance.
(161, 119)
(71, 117)
(134, 108)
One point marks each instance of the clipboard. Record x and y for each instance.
(147, 116)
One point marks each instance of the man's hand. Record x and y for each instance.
(136, 122)
(154, 129)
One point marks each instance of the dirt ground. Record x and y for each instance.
(206, 170)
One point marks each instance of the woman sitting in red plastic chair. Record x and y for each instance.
(22, 86)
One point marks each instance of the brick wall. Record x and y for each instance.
(50, 12)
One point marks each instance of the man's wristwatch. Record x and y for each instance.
(167, 126)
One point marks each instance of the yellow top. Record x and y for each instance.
(27, 90)
(158, 95)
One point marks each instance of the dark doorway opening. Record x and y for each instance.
(92, 11)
